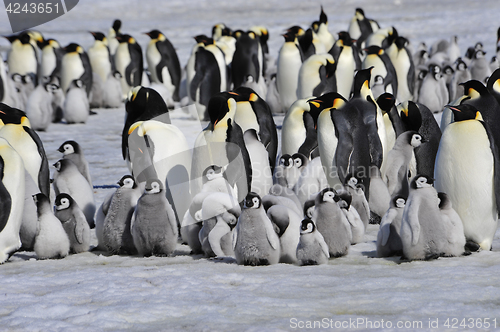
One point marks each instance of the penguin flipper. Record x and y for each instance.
(215, 236)
(385, 225)
(413, 221)
(271, 235)
(235, 235)
(79, 228)
(44, 173)
(311, 141)
(5, 200)
(323, 245)
(496, 164)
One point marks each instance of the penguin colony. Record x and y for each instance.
(359, 145)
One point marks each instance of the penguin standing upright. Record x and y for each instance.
(298, 132)
(346, 56)
(74, 223)
(360, 27)
(75, 65)
(129, 63)
(461, 74)
(289, 62)
(12, 189)
(312, 248)
(71, 150)
(402, 61)
(288, 224)
(102, 68)
(382, 65)
(153, 224)
(247, 59)
(479, 67)
(317, 76)
(433, 92)
(163, 62)
(22, 58)
(322, 31)
(114, 31)
(52, 54)
(388, 237)
(76, 106)
(43, 105)
(467, 144)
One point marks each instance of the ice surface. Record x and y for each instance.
(93, 291)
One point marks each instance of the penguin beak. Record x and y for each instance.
(453, 108)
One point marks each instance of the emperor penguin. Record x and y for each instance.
(355, 187)
(75, 65)
(287, 224)
(317, 76)
(76, 107)
(479, 67)
(344, 199)
(67, 179)
(332, 223)
(255, 241)
(22, 58)
(298, 132)
(160, 150)
(402, 60)
(74, 223)
(50, 64)
(323, 33)
(129, 63)
(29, 223)
(312, 180)
(247, 59)
(468, 144)
(163, 62)
(142, 104)
(360, 27)
(379, 195)
(388, 237)
(346, 56)
(395, 170)
(43, 104)
(312, 248)
(114, 31)
(424, 234)
(153, 224)
(433, 92)
(456, 238)
(51, 239)
(222, 143)
(382, 65)
(71, 150)
(461, 75)
(102, 66)
(16, 129)
(288, 171)
(12, 190)
(262, 176)
(289, 61)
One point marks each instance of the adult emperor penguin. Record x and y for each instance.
(252, 112)
(12, 189)
(114, 31)
(51, 239)
(317, 76)
(298, 132)
(129, 63)
(67, 179)
(50, 64)
(456, 238)
(346, 56)
(16, 129)
(254, 241)
(424, 233)
(312, 248)
(102, 65)
(153, 224)
(76, 108)
(289, 62)
(22, 57)
(468, 144)
(75, 65)
(395, 170)
(360, 27)
(222, 143)
(247, 59)
(74, 223)
(322, 31)
(332, 223)
(402, 60)
(382, 65)
(288, 224)
(163, 62)
(71, 150)
(388, 237)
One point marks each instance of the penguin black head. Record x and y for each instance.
(461, 65)
(359, 13)
(69, 147)
(362, 79)
(374, 50)
(153, 186)
(10, 115)
(125, 39)
(42, 203)
(73, 47)
(296, 31)
(322, 17)
(473, 87)
(299, 160)
(212, 172)
(344, 199)
(11, 38)
(244, 93)
(401, 42)
(464, 112)
(289, 37)
(128, 182)
(330, 100)
(252, 201)
(386, 102)
(218, 106)
(98, 35)
(469, 54)
(154, 34)
(24, 38)
(117, 24)
(478, 46)
(307, 226)
(411, 117)
(345, 38)
(309, 208)
(353, 182)
(444, 201)
(286, 160)
(398, 202)
(63, 201)
(203, 39)
(448, 70)
(421, 181)
(314, 26)
(328, 195)
(414, 138)
(48, 42)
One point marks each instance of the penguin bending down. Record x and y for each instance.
(153, 225)
(74, 223)
(254, 241)
(287, 225)
(312, 248)
(317, 76)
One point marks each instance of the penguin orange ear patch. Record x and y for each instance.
(24, 14)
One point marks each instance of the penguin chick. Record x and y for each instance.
(76, 105)
(71, 150)
(153, 225)
(254, 241)
(456, 237)
(312, 248)
(388, 237)
(287, 225)
(74, 223)
(288, 171)
(343, 200)
(359, 201)
(51, 240)
(379, 195)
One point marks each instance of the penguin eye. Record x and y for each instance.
(17, 78)
(298, 162)
(417, 137)
(27, 79)
(64, 201)
(282, 161)
(255, 202)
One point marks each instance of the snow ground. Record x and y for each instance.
(94, 291)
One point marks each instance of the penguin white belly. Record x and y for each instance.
(219, 56)
(401, 63)
(22, 59)
(39, 108)
(327, 144)
(345, 73)
(76, 106)
(77, 187)
(245, 117)
(153, 57)
(354, 30)
(122, 60)
(29, 224)
(72, 70)
(112, 96)
(49, 61)
(99, 61)
(308, 77)
(464, 170)
(51, 240)
(390, 133)
(293, 133)
(287, 78)
(24, 145)
(262, 179)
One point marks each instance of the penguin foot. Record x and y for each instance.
(433, 256)
(471, 246)
(308, 262)
(92, 112)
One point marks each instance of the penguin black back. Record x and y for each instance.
(5, 198)
(246, 59)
